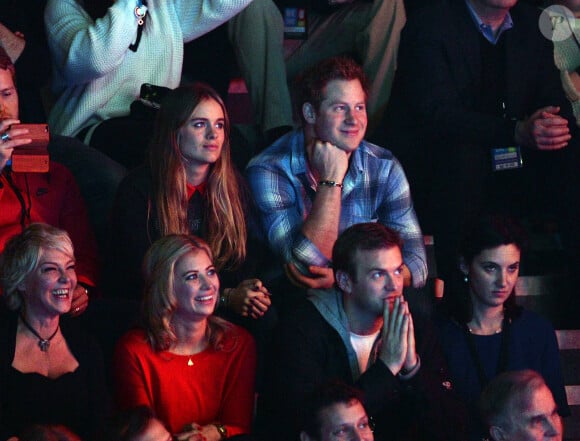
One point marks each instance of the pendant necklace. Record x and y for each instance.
(43, 343)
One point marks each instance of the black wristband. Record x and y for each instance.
(330, 184)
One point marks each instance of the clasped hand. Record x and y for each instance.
(80, 301)
(398, 337)
(197, 432)
(544, 130)
(249, 299)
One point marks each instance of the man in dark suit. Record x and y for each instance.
(478, 116)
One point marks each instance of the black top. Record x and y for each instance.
(79, 399)
(135, 227)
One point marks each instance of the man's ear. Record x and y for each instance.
(308, 113)
(497, 433)
(343, 281)
(304, 437)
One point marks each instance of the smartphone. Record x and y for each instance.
(153, 94)
(33, 157)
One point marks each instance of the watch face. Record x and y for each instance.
(222, 430)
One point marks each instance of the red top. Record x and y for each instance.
(193, 188)
(55, 199)
(216, 386)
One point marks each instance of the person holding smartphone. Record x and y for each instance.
(53, 197)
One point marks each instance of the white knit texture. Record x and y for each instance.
(96, 76)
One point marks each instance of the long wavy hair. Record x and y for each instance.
(489, 231)
(159, 303)
(224, 194)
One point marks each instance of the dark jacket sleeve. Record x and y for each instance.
(131, 236)
(305, 352)
(424, 407)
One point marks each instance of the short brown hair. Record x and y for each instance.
(322, 397)
(367, 236)
(309, 86)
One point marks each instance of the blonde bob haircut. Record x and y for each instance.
(22, 254)
(223, 197)
(159, 302)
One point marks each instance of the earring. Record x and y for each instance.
(466, 278)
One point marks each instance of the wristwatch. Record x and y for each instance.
(222, 430)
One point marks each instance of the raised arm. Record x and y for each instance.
(321, 223)
(199, 17)
(282, 207)
(83, 49)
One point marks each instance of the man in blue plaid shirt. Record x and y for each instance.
(316, 181)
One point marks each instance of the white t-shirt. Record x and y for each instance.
(363, 345)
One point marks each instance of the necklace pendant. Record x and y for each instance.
(190, 363)
(43, 343)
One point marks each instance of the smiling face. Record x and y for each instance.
(195, 286)
(47, 291)
(344, 422)
(537, 419)
(8, 96)
(342, 116)
(201, 138)
(378, 279)
(492, 275)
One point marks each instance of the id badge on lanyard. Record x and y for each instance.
(295, 22)
(506, 158)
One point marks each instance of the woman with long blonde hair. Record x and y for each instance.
(195, 370)
(190, 186)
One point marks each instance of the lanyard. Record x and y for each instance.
(141, 15)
